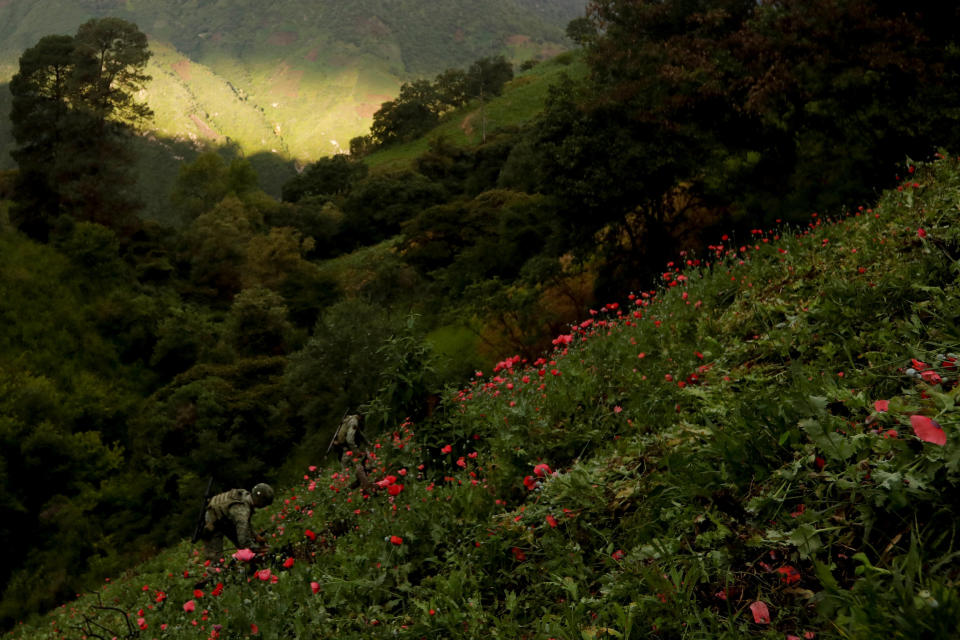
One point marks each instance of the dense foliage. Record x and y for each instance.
(764, 444)
(138, 361)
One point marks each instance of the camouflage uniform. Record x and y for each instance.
(346, 439)
(228, 514)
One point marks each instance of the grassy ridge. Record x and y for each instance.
(763, 444)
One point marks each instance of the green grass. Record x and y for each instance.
(721, 464)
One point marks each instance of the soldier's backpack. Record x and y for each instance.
(220, 504)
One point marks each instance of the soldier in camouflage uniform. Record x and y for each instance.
(228, 514)
(346, 440)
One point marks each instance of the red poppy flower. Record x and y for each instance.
(881, 405)
(310, 534)
(530, 483)
(789, 574)
(542, 470)
(397, 540)
(551, 521)
(928, 430)
(395, 489)
(446, 449)
(288, 563)
(315, 587)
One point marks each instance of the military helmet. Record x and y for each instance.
(262, 495)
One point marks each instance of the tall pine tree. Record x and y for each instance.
(73, 106)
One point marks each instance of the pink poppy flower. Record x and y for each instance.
(315, 587)
(881, 405)
(542, 470)
(189, 606)
(244, 555)
(446, 449)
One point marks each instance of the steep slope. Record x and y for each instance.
(764, 444)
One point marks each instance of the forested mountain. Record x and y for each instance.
(296, 79)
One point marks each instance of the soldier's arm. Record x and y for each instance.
(241, 514)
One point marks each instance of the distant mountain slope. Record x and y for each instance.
(287, 77)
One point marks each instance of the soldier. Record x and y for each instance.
(228, 514)
(346, 440)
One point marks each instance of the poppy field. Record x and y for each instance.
(764, 443)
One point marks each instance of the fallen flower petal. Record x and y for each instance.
(761, 614)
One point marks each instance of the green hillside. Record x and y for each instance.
(765, 444)
(522, 101)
